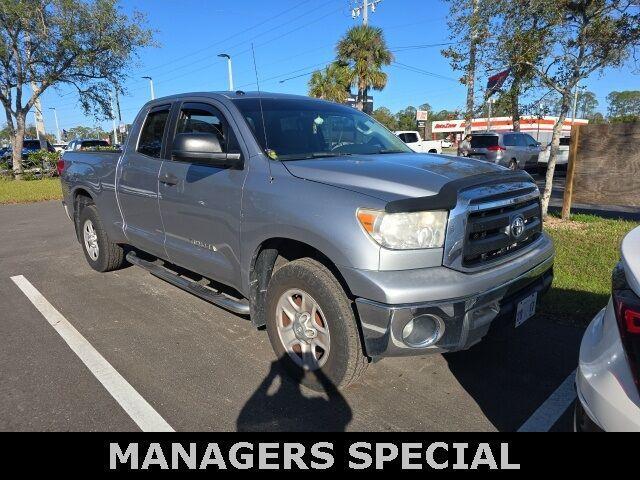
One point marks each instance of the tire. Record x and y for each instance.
(345, 361)
(101, 254)
(513, 165)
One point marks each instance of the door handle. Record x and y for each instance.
(169, 179)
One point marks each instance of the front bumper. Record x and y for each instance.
(466, 319)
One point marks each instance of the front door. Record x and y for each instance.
(137, 184)
(200, 204)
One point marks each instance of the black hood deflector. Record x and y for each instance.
(447, 197)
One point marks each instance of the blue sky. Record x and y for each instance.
(291, 38)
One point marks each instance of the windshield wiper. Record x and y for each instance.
(384, 151)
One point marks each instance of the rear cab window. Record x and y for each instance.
(565, 142)
(409, 137)
(484, 141)
(152, 133)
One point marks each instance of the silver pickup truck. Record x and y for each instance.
(317, 222)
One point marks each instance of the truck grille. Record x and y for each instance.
(494, 233)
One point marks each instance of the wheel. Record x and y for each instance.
(513, 165)
(101, 254)
(312, 327)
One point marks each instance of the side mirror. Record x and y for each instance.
(203, 148)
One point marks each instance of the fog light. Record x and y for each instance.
(423, 331)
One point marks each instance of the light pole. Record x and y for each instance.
(153, 95)
(575, 103)
(364, 9)
(55, 115)
(228, 57)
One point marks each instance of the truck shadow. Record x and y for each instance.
(513, 371)
(279, 404)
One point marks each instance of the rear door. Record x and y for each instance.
(532, 150)
(200, 203)
(137, 184)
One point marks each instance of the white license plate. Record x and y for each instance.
(526, 309)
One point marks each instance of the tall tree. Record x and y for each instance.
(333, 83)
(587, 104)
(407, 118)
(385, 117)
(516, 47)
(365, 51)
(582, 37)
(469, 24)
(88, 45)
(624, 106)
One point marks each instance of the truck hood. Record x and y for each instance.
(392, 176)
(631, 259)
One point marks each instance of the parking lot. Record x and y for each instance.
(202, 368)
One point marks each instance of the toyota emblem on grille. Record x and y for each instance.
(517, 227)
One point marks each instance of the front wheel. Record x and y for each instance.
(312, 327)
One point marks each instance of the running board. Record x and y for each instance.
(236, 306)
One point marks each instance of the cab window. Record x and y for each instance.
(204, 118)
(150, 142)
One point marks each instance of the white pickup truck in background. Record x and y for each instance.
(415, 142)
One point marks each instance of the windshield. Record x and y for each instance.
(92, 144)
(298, 128)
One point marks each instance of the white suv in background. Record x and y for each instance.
(608, 376)
(561, 161)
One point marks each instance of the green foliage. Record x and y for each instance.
(406, 119)
(364, 51)
(333, 83)
(87, 45)
(587, 249)
(385, 117)
(81, 131)
(624, 106)
(39, 164)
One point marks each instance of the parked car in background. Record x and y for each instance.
(608, 375)
(562, 159)
(60, 147)
(514, 150)
(86, 144)
(415, 142)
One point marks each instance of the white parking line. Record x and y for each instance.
(129, 399)
(550, 411)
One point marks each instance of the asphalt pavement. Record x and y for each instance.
(202, 368)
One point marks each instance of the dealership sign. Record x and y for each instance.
(422, 115)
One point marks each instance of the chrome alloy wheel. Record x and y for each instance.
(303, 329)
(90, 240)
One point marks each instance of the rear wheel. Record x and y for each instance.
(513, 165)
(101, 254)
(312, 327)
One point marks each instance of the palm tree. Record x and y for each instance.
(365, 51)
(331, 84)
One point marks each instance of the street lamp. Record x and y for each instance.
(55, 114)
(153, 95)
(228, 57)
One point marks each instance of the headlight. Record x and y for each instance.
(405, 231)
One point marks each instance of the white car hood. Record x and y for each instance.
(631, 259)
